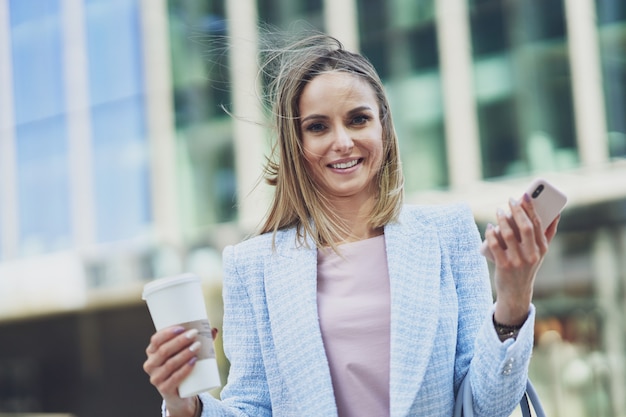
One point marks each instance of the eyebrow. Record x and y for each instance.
(358, 109)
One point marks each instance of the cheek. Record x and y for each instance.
(378, 150)
(307, 155)
(312, 152)
(309, 162)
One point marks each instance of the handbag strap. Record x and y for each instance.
(531, 395)
(463, 406)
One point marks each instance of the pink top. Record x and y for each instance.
(354, 309)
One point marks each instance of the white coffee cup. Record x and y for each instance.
(179, 300)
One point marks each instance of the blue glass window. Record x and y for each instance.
(41, 136)
(120, 165)
(118, 118)
(1, 205)
(36, 52)
(43, 189)
(114, 49)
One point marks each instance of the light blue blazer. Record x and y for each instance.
(441, 329)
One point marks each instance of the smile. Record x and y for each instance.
(345, 165)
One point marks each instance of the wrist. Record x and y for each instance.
(198, 411)
(511, 313)
(191, 407)
(506, 331)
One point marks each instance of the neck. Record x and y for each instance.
(355, 215)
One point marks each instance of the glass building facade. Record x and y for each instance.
(611, 16)
(204, 136)
(523, 87)
(126, 151)
(45, 118)
(400, 38)
(119, 141)
(40, 127)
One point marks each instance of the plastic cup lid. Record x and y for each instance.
(159, 284)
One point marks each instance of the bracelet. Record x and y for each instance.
(505, 331)
(198, 407)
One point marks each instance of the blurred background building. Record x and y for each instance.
(119, 163)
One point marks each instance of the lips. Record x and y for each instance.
(346, 164)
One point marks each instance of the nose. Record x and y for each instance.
(342, 140)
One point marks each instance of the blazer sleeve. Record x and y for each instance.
(498, 371)
(246, 393)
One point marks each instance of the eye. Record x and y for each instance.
(361, 119)
(315, 127)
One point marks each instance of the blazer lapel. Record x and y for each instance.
(414, 260)
(291, 292)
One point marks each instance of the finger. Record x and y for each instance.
(163, 336)
(184, 356)
(493, 241)
(540, 238)
(526, 230)
(551, 230)
(158, 354)
(511, 218)
(508, 233)
(176, 379)
(499, 239)
(168, 378)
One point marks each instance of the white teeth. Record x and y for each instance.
(345, 165)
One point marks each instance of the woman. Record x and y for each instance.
(348, 302)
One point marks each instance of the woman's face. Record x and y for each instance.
(341, 135)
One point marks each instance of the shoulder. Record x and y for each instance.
(454, 224)
(260, 247)
(245, 260)
(252, 248)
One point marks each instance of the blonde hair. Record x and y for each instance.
(297, 201)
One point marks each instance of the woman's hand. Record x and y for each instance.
(518, 249)
(171, 357)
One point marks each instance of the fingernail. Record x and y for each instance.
(500, 213)
(192, 360)
(191, 333)
(195, 346)
(178, 330)
(526, 197)
(489, 226)
(513, 202)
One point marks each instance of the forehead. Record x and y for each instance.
(337, 88)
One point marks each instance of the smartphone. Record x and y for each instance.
(548, 202)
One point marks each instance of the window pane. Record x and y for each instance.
(2, 205)
(488, 27)
(200, 69)
(115, 57)
(523, 86)
(199, 61)
(43, 187)
(612, 37)
(400, 39)
(118, 119)
(41, 137)
(205, 164)
(36, 51)
(121, 170)
(417, 105)
(284, 13)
